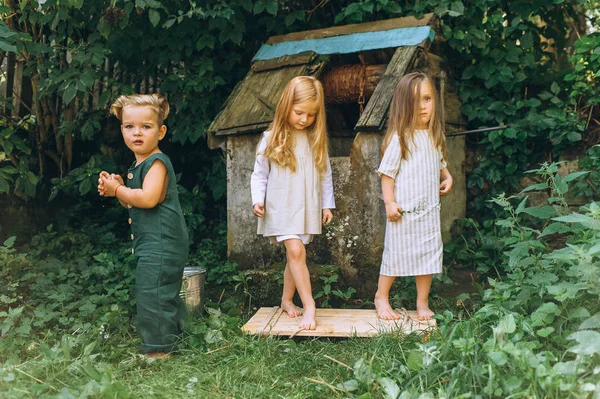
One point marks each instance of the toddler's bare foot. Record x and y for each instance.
(291, 309)
(384, 309)
(308, 321)
(158, 355)
(423, 311)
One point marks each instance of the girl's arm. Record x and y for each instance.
(259, 179)
(392, 209)
(328, 201)
(446, 181)
(151, 194)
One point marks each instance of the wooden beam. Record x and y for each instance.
(387, 24)
(375, 113)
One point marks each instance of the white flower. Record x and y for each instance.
(355, 238)
(194, 380)
(106, 336)
(349, 245)
(346, 224)
(347, 218)
(333, 234)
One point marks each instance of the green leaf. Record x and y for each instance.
(350, 385)
(8, 147)
(559, 185)
(538, 186)
(588, 342)
(414, 361)
(7, 47)
(506, 325)
(272, 7)
(555, 88)
(526, 41)
(584, 220)
(554, 228)
(259, 7)
(541, 212)
(574, 175)
(521, 206)
(76, 3)
(10, 241)
(85, 187)
(499, 358)
(390, 388)
(589, 324)
(154, 17)
(544, 332)
(4, 186)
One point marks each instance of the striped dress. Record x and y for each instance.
(413, 245)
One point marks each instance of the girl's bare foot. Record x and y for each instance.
(158, 355)
(423, 311)
(291, 309)
(384, 309)
(308, 321)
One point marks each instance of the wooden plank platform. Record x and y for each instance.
(334, 323)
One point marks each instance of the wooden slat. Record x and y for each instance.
(335, 323)
(387, 24)
(288, 60)
(375, 113)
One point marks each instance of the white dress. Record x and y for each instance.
(293, 200)
(413, 245)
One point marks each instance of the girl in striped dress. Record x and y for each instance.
(413, 174)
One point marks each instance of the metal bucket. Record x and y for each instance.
(192, 289)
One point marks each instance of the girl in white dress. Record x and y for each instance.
(413, 176)
(292, 188)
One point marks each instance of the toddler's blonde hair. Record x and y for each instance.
(404, 112)
(280, 147)
(157, 102)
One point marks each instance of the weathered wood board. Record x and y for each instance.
(334, 323)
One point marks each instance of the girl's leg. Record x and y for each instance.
(423, 287)
(289, 289)
(382, 298)
(296, 261)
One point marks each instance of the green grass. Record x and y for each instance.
(237, 366)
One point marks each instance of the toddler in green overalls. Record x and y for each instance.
(158, 230)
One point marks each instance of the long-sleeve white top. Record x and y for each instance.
(260, 176)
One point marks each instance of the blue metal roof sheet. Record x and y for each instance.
(347, 44)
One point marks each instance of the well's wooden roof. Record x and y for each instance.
(251, 105)
(375, 26)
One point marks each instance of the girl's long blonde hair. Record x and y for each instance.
(157, 102)
(280, 147)
(404, 112)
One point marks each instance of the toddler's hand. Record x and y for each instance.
(393, 212)
(101, 187)
(259, 209)
(110, 185)
(327, 216)
(118, 177)
(446, 185)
